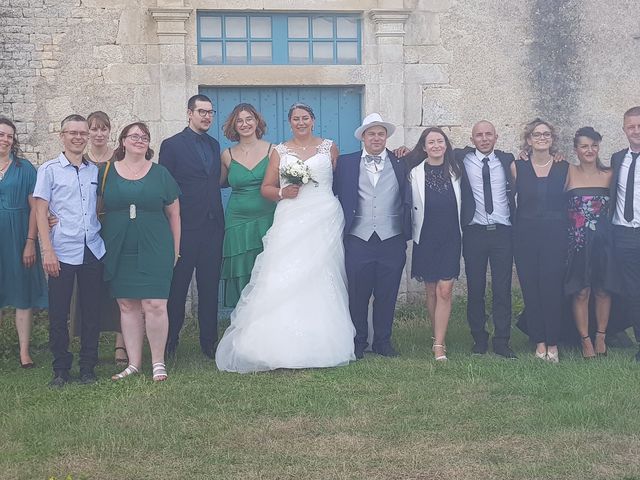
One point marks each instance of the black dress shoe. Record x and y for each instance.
(59, 381)
(210, 353)
(504, 351)
(386, 351)
(359, 352)
(87, 378)
(479, 348)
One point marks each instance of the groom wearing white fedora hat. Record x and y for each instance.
(375, 195)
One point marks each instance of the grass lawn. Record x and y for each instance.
(404, 418)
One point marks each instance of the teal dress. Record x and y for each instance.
(247, 218)
(20, 287)
(140, 251)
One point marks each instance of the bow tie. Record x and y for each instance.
(372, 161)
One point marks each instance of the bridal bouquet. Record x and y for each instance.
(297, 173)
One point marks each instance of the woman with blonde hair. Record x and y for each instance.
(540, 236)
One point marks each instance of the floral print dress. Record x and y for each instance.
(590, 262)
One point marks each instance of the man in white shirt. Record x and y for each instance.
(625, 211)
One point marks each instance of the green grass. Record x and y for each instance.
(403, 418)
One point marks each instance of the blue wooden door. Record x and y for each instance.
(337, 110)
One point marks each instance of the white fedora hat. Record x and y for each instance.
(371, 121)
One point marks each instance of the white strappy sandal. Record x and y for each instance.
(130, 370)
(159, 372)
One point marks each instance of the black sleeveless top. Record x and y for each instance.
(541, 198)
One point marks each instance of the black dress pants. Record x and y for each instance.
(626, 243)
(540, 248)
(200, 249)
(374, 268)
(90, 285)
(493, 245)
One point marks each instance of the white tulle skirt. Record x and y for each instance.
(294, 313)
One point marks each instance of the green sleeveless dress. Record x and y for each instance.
(247, 218)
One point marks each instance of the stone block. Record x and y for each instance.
(433, 5)
(59, 107)
(441, 106)
(135, 54)
(130, 74)
(24, 111)
(108, 54)
(427, 54)
(413, 104)
(422, 28)
(49, 64)
(425, 74)
(146, 103)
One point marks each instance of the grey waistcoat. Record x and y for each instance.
(379, 208)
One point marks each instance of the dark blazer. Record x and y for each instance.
(616, 162)
(345, 187)
(468, 208)
(200, 199)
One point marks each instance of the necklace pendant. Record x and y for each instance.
(132, 211)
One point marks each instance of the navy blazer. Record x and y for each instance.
(616, 162)
(200, 199)
(468, 209)
(345, 187)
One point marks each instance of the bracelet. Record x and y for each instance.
(29, 238)
(280, 193)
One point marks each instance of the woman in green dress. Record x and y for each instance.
(22, 283)
(248, 215)
(141, 232)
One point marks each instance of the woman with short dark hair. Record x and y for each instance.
(22, 283)
(590, 264)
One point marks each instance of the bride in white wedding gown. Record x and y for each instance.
(294, 313)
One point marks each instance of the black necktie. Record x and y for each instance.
(486, 186)
(628, 196)
(202, 150)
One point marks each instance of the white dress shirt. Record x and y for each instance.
(618, 216)
(373, 173)
(473, 166)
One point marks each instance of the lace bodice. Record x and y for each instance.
(319, 164)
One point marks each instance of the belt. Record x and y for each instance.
(491, 227)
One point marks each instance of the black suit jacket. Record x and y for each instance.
(468, 207)
(616, 162)
(200, 199)
(345, 186)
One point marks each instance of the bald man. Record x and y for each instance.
(487, 210)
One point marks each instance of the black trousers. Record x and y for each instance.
(540, 248)
(374, 268)
(493, 246)
(201, 250)
(90, 291)
(626, 243)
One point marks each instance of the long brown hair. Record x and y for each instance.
(15, 148)
(120, 151)
(417, 155)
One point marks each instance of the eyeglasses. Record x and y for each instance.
(74, 133)
(541, 134)
(138, 138)
(205, 113)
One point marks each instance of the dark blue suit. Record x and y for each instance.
(374, 266)
(196, 169)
